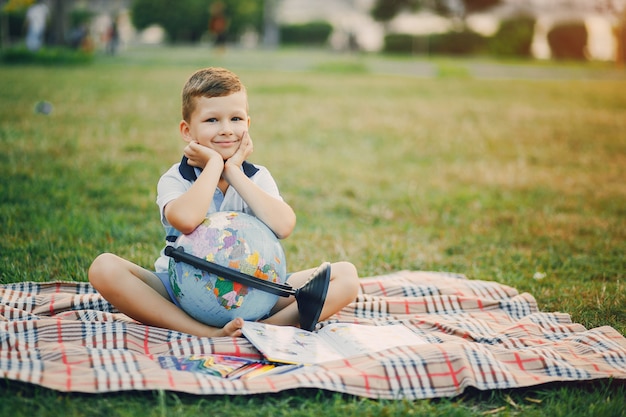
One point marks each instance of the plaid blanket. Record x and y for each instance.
(65, 336)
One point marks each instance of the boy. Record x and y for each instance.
(212, 176)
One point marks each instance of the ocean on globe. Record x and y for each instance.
(238, 241)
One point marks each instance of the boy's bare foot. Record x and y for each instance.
(232, 328)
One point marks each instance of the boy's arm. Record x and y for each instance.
(189, 210)
(274, 212)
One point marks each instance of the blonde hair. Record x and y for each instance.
(209, 82)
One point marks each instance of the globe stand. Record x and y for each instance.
(309, 298)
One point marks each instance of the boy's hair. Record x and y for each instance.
(209, 82)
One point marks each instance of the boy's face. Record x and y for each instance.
(218, 123)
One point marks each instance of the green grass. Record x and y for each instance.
(520, 181)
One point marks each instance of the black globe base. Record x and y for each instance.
(309, 298)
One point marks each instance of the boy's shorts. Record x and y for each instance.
(165, 280)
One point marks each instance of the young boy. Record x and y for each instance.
(212, 176)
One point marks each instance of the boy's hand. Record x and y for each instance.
(199, 155)
(243, 152)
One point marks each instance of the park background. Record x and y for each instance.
(542, 29)
(501, 167)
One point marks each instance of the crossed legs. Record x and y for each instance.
(140, 294)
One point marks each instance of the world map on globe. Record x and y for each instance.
(238, 241)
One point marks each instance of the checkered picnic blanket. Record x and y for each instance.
(65, 336)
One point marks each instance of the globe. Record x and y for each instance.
(238, 241)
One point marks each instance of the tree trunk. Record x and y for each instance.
(4, 28)
(620, 39)
(271, 34)
(59, 12)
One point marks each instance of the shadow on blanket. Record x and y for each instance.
(65, 336)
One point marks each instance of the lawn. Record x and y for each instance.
(391, 163)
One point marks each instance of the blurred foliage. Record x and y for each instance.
(80, 16)
(244, 15)
(386, 10)
(404, 43)
(13, 6)
(187, 20)
(464, 42)
(513, 38)
(568, 41)
(20, 55)
(313, 33)
(14, 20)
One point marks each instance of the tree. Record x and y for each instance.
(514, 37)
(187, 20)
(58, 19)
(568, 40)
(386, 10)
(184, 20)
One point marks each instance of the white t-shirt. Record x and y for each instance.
(178, 179)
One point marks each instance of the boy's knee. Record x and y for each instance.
(101, 268)
(346, 273)
(346, 269)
